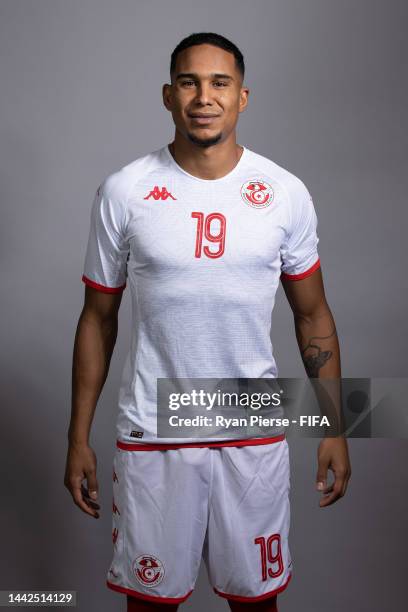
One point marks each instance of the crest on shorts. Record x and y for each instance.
(257, 193)
(148, 570)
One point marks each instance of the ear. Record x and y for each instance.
(166, 93)
(243, 98)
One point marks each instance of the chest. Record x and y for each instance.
(172, 225)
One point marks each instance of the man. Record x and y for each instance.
(203, 230)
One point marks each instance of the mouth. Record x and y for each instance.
(203, 119)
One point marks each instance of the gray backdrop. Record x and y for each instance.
(81, 97)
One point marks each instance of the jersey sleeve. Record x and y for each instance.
(299, 254)
(105, 266)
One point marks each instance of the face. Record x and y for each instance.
(206, 94)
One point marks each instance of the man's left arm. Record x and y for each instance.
(319, 347)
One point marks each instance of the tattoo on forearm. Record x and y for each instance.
(315, 357)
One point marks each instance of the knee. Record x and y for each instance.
(139, 605)
(266, 605)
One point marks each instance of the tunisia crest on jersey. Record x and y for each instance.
(148, 570)
(257, 193)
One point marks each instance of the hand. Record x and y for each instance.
(332, 454)
(81, 463)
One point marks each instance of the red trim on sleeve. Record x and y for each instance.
(312, 269)
(102, 288)
(149, 447)
(253, 599)
(126, 591)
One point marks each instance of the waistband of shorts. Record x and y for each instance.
(137, 446)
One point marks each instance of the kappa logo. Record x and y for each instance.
(158, 194)
(148, 570)
(257, 193)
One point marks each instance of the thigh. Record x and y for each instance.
(247, 552)
(159, 519)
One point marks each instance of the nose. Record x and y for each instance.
(203, 94)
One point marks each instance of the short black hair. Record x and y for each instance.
(209, 38)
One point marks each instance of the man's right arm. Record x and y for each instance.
(95, 339)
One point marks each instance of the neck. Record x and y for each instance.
(208, 163)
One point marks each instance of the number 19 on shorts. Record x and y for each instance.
(270, 556)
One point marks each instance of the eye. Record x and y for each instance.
(221, 83)
(186, 82)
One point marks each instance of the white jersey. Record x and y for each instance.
(202, 259)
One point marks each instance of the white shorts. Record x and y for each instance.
(227, 504)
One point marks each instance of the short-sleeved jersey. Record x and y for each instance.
(202, 260)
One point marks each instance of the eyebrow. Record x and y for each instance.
(216, 75)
